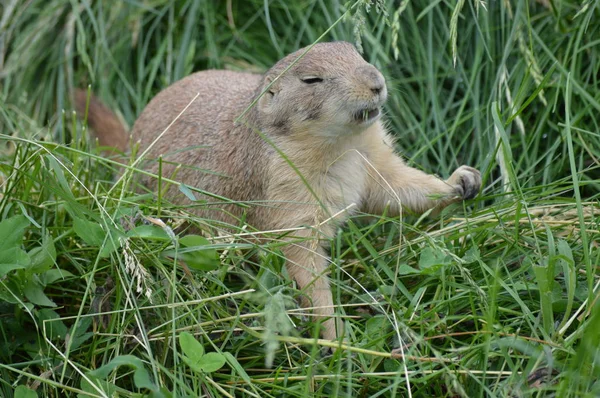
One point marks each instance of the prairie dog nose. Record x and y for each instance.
(372, 78)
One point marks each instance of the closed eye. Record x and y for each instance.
(312, 79)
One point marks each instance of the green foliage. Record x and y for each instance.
(495, 298)
(25, 274)
(196, 252)
(13, 257)
(141, 377)
(195, 357)
(24, 392)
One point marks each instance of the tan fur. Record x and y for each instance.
(339, 159)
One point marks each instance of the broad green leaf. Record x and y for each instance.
(93, 234)
(192, 364)
(54, 275)
(195, 253)
(208, 363)
(162, 392)
(431, 256)
(193, 240)
(43, 257)
(387, 290)
(128, 360)
(12, 231)
(149, 232)
(472, 255)
(406, 269)
(434, 269)
(79, 333)
(6, 268)
(12, 292)
(375, 331)
(24, 392)
(195, 357)
(190, 346)
(141, 377)
(522, 286)
(432, 259)
(50, 320)
(211, 362)
(90, 232)
(12, 256)
(112, 244)
(35, 293)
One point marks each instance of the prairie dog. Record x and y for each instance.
(312, 146)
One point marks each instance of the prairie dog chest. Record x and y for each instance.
(343, 182)
(336, 182)
(337, 185)
(324, 180)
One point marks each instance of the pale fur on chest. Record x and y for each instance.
(328, 177)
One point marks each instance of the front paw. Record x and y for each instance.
(466, 181)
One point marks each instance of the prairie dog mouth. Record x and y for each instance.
(367, 114)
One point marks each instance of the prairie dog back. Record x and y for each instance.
(215, 155)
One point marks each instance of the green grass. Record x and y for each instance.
(498, 297)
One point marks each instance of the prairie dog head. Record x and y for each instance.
(331, 91)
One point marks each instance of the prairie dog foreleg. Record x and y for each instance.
(393, 185)
(307, 263)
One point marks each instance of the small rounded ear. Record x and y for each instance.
(266, 99)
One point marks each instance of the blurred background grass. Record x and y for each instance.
(518, 54)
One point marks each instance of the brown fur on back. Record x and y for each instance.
(216, 155)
